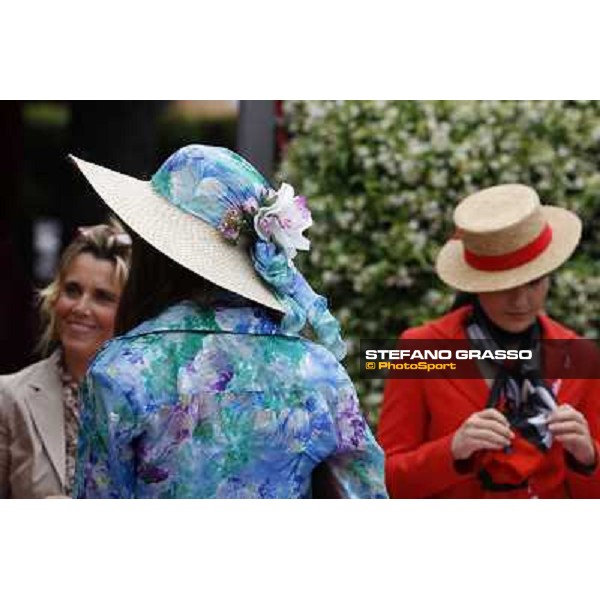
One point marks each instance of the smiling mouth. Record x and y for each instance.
(76, 326)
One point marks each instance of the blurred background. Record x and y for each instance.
(381, 177)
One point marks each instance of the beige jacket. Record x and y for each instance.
(32, 432)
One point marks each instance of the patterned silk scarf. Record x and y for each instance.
(71, 407)
(522, 396)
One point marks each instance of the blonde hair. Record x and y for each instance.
(104, 242)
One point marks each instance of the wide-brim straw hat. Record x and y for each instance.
(505, 238)
(183, 237)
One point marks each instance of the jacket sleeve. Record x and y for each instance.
(355, 468)
(415, 467)
(105, 458)
(582, 483)
(4, 446)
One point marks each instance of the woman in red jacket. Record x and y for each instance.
(513, 432)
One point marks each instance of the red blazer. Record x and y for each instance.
(419, 418)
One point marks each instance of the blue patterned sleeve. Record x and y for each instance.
(105, 457)
(356, 467)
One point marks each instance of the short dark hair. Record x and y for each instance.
(155, 283)
(463, 299)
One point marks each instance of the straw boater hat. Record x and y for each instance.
(506, 238)
(192, 242)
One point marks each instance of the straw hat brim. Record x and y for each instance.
(457, 273)
(184, 238)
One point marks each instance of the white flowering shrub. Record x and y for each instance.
(382, 179)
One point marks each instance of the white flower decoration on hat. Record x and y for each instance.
(283, 219)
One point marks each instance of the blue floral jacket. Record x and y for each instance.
(201, 403)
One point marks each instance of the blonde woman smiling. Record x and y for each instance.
(39, 406)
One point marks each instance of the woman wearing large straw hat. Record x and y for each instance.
(512, 432)
(212, 391)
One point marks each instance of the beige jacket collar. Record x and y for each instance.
(44, 399)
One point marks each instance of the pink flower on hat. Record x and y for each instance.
(283, 219)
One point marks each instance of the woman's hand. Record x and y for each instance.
(484, 430)
(570, 428)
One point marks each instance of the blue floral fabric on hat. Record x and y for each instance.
(225, 191)
(214, 184)
(216, 403)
